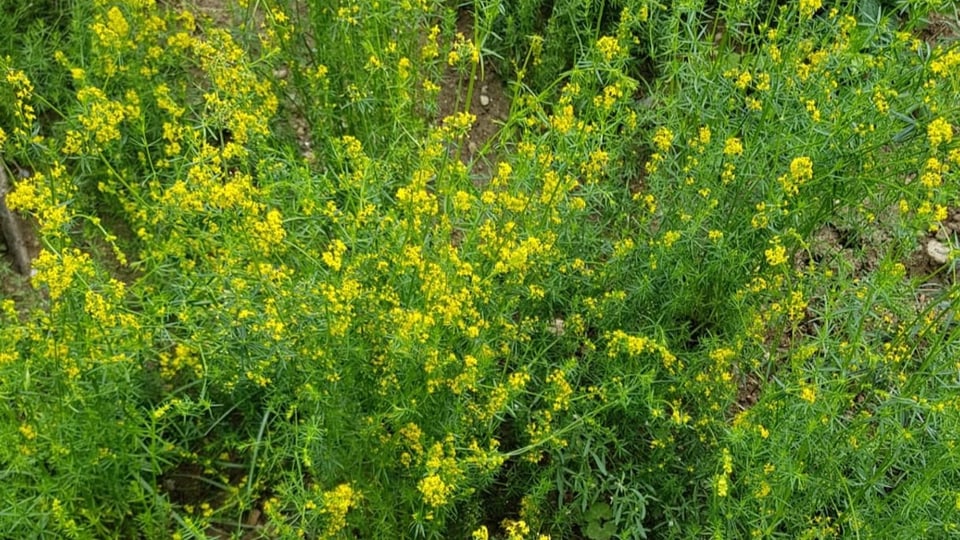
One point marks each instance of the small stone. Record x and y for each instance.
(484, 100)
(937, 251)
(556, 328)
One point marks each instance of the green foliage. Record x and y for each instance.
(698, 290)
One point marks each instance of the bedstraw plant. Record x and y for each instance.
(703, 285)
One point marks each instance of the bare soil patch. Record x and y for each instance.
(490, 103)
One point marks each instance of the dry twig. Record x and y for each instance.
(10, 227)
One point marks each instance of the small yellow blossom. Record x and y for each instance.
(776, 255)
(336, 503)
(939, 131)
(269, 232)
(663, 139)
(721, 485)
(733, 147)
(801, 169)
(516, 530)
(809, 7)
(703, 135)
(434, 490)
(28, 432)
(609, 47)
(58, 271)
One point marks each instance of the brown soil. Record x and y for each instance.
(941, 29)
(490, 103)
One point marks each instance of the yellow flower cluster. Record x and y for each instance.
(36, 195)
(333, 256)
(776, 255)
(809, 7)
(431, 49)
(621, 342)
(721, 482)
(434, 490)
(933, 170)
(269, 233)
(946, 62)
(462, 48)
(459, 123)
(663, 139)
(487, 460)
(336, 504)
(411, 437)
(23, 111)
(560, 389)
(57, 271)
(609, 48)
(105, 307)
(182, 358)
(563, 120)
(340, 306)
(102, 116)
(443, 472)
(418, 199)
(113, 32)
(516, 530)
(939, 132)
(801, 171)
(239, 95)
(733, 147)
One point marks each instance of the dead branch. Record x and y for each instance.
(10, 227)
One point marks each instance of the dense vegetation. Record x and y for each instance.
(699, 283)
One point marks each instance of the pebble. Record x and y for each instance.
(937, 251)
(484, 100)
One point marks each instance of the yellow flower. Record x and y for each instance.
(663, 139)
(434, 490)
(336, 503)
(801, 169)
(727, 462)
(932, 173)
(57, 272)
(721, 485)
(763, 490)
(733, 147)
(516, 530)
(28, 432)
(101, 116)
(609, 47)
(563, 119)
(704, 134)
(809, 7)
(269, 232)
(776, 255)
(939, 131)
